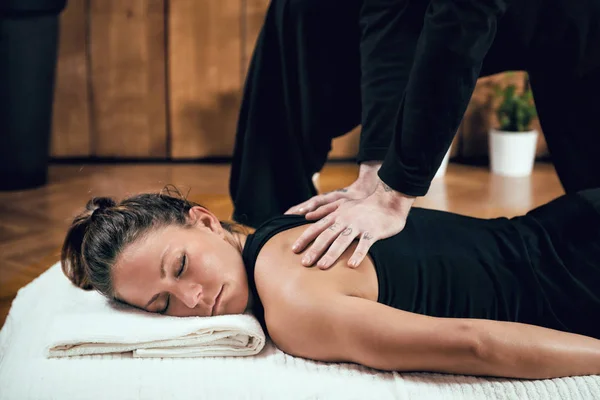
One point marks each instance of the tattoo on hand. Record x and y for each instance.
(325, 220)
(344, 190)
(334, 227)
(386, 187)
(347, 232)
(367, 236)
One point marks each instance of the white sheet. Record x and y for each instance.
(26, 373)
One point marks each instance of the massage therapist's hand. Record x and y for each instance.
(364, 185)
(379, 216)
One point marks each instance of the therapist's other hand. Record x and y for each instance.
(364, 186)
(379, 216)
(356, 191)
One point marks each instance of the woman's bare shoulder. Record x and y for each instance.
(279, 272)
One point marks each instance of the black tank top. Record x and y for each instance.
(441, 264)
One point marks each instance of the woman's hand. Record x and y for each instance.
(379, 216)
(364, 186)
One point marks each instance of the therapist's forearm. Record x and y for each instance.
(368, 169)
(390, 31)
(367, 176)
(455, 39)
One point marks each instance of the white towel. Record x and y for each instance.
(90, 324)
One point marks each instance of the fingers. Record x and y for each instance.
(337, 248)
(314, 203)
(321, 243)
(324, 210)
(365, 243)
(297, 209)
(310, 234)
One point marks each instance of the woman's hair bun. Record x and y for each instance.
(99, 203)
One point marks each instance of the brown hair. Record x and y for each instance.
(99, 234)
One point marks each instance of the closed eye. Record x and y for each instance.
(177, 275)
(182, 266)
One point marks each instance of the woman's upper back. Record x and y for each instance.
(275, 271)
(441, 264)
(449, 265)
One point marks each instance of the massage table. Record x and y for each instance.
(26, 373)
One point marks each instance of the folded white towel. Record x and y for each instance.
(90, 324)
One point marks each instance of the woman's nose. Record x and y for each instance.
(190, 295)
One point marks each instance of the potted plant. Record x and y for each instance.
(512, 146)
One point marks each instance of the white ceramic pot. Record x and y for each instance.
(443, 166)
(316, 180)
(512, 153)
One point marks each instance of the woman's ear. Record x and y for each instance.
(201, 217)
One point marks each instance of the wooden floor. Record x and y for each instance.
(33, 222)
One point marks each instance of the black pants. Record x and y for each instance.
(304, 88)
(568, 108)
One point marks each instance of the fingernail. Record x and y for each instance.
(353, 263)
(322, 263)
(300, 210)
(306, 260)
(295, 247)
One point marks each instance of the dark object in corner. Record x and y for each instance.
(28, 56)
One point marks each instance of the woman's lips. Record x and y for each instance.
(217, 302)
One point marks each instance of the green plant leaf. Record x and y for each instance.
(516, 109)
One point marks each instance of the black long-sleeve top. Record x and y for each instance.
(421, 61)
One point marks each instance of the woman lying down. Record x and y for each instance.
(499, 297)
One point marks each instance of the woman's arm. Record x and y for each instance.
(341, 328)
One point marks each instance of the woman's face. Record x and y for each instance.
(183, 271)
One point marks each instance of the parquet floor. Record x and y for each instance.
(33, 222)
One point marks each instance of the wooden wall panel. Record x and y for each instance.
(117, 86)
(71, 117)
(128, 77)
(205, 76)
